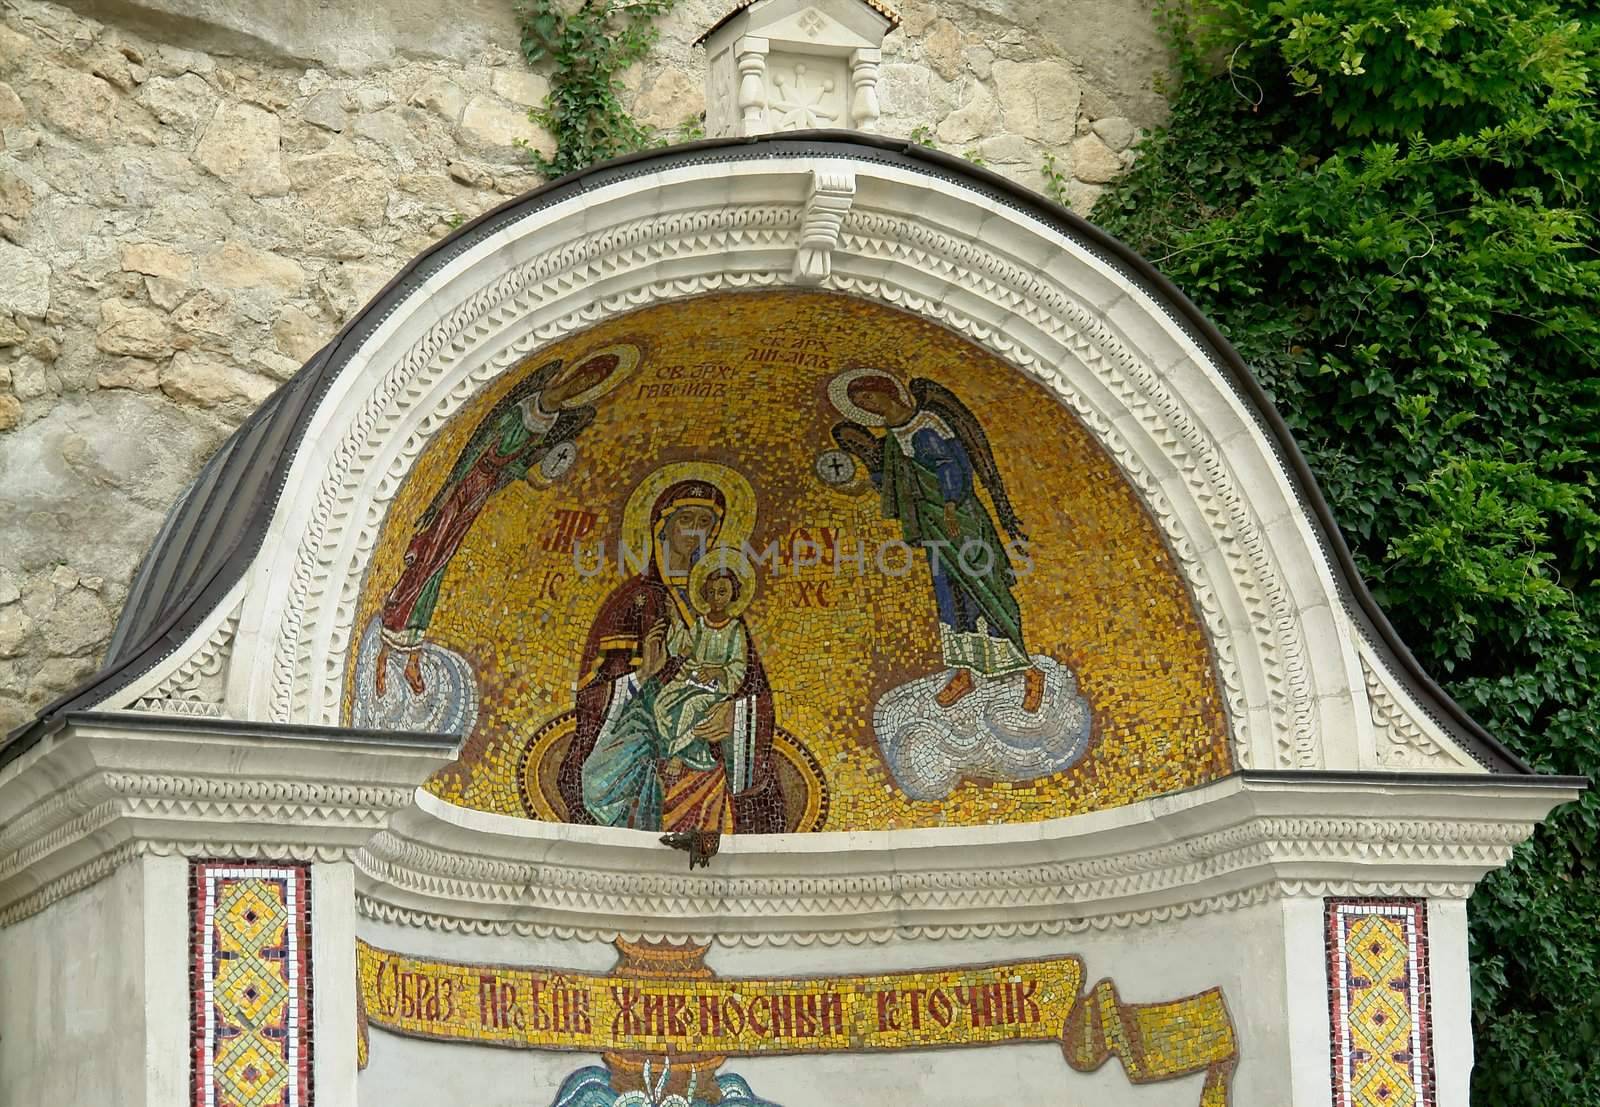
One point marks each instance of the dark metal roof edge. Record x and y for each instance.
(1390, 777)
(138, 720)
(173, 630)
(890, 15)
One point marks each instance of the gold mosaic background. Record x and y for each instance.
(1104, 596)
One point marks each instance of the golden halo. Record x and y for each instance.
(738, 520)
(724, 557)
(627, 356)
(839, 394)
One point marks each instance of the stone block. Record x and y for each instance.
(326, 110)
(442, 96)
(238, 266)
(24, 281)
(942, 49)
(241, 146)
(77, 104)
(206, 383)
(156, 260)
(10, 412)
(1116, 131)
(130, 372)
(182, 102)
(674, 98)
(78, 623)
(1093, 161)
(135, 331)
(12, 111)
(493, 128)
(1038, 99)
(522, 86)
(298, 335)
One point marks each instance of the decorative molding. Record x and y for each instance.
(1148, 862)
(1269, 891)
(103, 792)
(832, 193)
(1402, 741)
(106, 864)
(196, 686)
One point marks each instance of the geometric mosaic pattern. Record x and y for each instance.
(1378, 1001)
(250, 948)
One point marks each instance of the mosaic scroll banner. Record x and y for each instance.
(250, 951)
(631, 1014)
(1378, 1003)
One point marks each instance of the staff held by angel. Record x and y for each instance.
(927, 455)
(529, 435)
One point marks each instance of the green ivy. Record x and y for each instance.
(1389, 209)
(588, 47)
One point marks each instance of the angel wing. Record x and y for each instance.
(484, 433)
(861, 444)
(936, 398)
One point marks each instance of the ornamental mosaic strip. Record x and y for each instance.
(1378, 1003)
(250, 948)
(663, 1007)
(944, 603)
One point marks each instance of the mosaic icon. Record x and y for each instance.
(897, 648)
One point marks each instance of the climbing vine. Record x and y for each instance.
(588, 46)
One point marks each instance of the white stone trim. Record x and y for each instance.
(1226, 845)
(97, 794)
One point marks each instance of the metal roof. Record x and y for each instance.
(876, 5)
(214, 532)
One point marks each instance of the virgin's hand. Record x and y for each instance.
(717, 725)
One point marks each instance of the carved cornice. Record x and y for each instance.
(101, 792)
(1195, 852)
(1266, 892)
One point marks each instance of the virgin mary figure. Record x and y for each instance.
(612, 772)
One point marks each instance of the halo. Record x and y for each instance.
(839, 394)
(737, 521)
(724, 557)
(627, 355)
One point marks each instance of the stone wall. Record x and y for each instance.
(194, 198)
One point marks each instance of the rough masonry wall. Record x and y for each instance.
(193, 199)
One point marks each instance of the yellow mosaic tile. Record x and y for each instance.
(747, 394)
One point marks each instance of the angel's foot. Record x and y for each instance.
(380, 683)
(414, 672)
(960, 685)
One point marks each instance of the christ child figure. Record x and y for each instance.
(714, 654)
